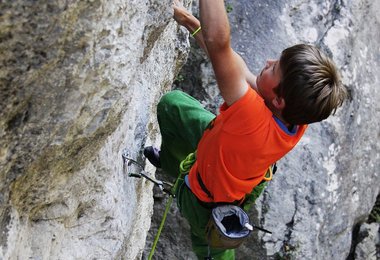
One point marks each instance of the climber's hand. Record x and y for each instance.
(190, 22)
(181, 15)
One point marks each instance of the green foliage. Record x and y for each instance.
(229, 7)
(180, 78)
(374, 216)
(287, 252)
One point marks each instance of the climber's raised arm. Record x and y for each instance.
(230, 69)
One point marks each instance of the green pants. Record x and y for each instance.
(182, 120)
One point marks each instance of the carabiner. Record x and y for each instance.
(127, 162)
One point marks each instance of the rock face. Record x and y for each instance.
(368, 247)
(79, 81)
(326, 187)
(329, 183)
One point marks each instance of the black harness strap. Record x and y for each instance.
(214, 204)
(203, 186)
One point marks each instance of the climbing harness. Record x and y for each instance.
(228, 226)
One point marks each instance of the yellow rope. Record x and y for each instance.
(168, 204)
(186, 164)
(184, 168)
(270, 172)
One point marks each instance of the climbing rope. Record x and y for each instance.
(184, 168)
(168, 204)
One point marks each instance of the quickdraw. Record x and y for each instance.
(128, 162)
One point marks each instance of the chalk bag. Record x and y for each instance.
(227, 227)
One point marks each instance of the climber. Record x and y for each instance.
(261, 120)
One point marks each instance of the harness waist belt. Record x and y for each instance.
(213, 204)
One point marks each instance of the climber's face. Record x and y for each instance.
(268, 81)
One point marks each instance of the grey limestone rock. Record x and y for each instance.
(79, 81)
(368, 247)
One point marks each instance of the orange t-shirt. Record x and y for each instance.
(237, 148)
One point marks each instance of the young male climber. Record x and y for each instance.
(262, 118)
